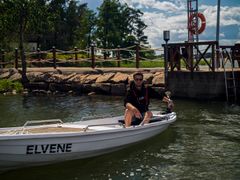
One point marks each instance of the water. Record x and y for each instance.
(204, 142)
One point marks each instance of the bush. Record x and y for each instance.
(8, 86)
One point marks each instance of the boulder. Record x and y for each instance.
(78, 78)
(105, 78)
(15, 77)
(120, 78)
(90, 78)
(59, 87)
(102, 88)
(148, 78)
(87, 88)
(38, 77)
(56, 78)
(158, 79)
(37, 86)
(118, 89)
(77, 87)
(7, 74)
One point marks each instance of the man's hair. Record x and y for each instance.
(137, 74)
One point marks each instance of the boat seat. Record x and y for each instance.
(137, 122)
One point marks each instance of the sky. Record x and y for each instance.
(160, 15)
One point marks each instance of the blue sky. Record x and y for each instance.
(171, 15)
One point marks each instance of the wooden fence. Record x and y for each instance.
(91, 55)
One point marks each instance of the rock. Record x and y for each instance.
(56, 78)
(105, 78)
(78, 78)
(77, 87)
(102, 88)
(90, 78)
(5, 75)
(158, 79)
(37, 76)
(59, 87)
(15, 77)
(118, 89)
(87, 88)
(148, 77)
(38, 86)
(39, 92)
(60, 78)
(91, 93)
(120, 78)
(67, 77)
(14, 92)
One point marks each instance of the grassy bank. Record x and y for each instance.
(9, 86)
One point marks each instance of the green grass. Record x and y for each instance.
(8, 86)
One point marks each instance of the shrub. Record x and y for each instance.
(7, 86)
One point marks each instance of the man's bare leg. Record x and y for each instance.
(147, 117)
(128, 117)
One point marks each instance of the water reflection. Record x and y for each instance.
(204, 143)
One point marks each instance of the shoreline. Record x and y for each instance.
(106, 81)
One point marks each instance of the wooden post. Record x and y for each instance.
(93, 56)
(137, 55)
(213, 58)
(76, 55)
(3, 58)
(54, 57)
(190, 53)
(118, 56)
(16, 58)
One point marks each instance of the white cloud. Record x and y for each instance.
(228, 15)
(171, 15)
(159, 5)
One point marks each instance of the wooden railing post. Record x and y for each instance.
(54, 57)
(76, 55)
(3, 58)
(118, 56)
(137, 55)
(213, 58)
(16, 58)
(93, 56)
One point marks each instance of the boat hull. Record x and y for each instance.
(27, 150)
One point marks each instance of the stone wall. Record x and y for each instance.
(112, 83)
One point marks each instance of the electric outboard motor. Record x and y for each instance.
(170, 103)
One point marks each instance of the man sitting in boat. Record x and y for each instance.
(136, 102)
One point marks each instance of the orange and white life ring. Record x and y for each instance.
(192, 25)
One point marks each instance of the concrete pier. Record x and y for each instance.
(201, 85)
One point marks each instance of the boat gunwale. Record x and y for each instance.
(82, 133)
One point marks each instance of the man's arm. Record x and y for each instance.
(135, 111)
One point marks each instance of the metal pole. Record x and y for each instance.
(218, 20)
(166, 37)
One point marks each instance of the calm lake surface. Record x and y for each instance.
(204, 142)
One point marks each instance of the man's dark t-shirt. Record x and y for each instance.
(140, 98)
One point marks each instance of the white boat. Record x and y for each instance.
(35, 144)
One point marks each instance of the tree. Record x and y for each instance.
(116, 22)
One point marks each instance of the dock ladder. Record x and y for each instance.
(230, 81)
